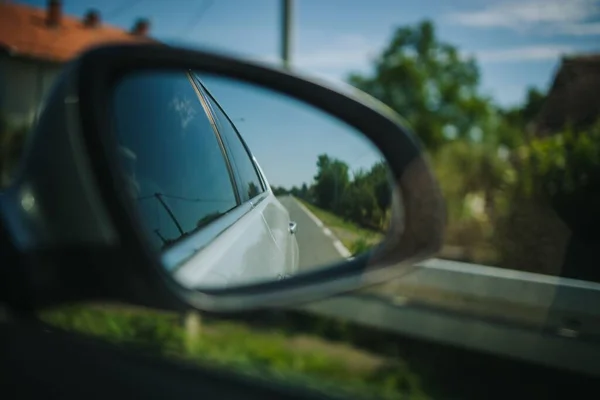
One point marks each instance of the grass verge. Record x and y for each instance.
(334, 368)
(356, 238)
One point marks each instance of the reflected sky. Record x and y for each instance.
(517, 43)
(171, 157)
(286, 135)
(173, 162)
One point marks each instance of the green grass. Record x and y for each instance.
(331, 367)
(356, 238)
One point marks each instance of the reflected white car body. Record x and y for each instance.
(254, 242)
(259, 246)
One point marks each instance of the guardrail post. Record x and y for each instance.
(192, 322)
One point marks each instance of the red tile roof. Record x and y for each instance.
(23, 31)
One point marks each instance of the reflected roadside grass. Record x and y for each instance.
(355, 238)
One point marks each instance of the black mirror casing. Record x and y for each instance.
(71, 219)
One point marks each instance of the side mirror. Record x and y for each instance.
(173, 178)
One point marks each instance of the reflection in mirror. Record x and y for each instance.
(237, 184)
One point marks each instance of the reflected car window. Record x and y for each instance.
(251, 183)
(173, 160)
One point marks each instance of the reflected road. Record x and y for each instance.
(316, 247)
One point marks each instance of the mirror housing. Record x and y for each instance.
(69, 217)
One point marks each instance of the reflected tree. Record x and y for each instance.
(330, 182)
(253, 190)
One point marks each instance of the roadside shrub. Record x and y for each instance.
(555, 196)
(359, 246)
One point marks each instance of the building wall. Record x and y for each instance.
(23, 85)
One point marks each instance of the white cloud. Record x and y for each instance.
(592, 28)
(522, 54)
(571, 17)
(335, 64)
(330, 61)
(343, 52)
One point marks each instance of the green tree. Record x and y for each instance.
(358, 202)
(304, 191)
(429, 83)
(330, 182)
(465, 169)
(378, 177)
(554, 198)
(521, 115)
(279, 190)
(252, 190)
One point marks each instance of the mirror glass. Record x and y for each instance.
(237, 184)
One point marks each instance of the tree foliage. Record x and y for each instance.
(509, 193)
(522, 114)
(483, 156)
(330, 182)
(363, 199)
(279, 190)
(363, 196)
(565, 168)
(429, 83)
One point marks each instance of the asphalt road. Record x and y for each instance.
(316, 244)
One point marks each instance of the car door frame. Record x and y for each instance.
(186, 249)
(222, 144)
(209, 98)
(174, 257)
(266, 190)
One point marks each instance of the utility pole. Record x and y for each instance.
(286, 31)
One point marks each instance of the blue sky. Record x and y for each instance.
(285, 135)
(518, 43)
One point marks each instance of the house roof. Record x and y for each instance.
(24, 32)
(573, 97)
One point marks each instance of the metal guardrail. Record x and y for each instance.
(543, 319)
(538, 318)
(523, 289)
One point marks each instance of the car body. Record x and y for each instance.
(232, 231)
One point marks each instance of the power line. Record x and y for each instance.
(204, 6)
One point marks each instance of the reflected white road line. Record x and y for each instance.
(344, 252)
(341, 248)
